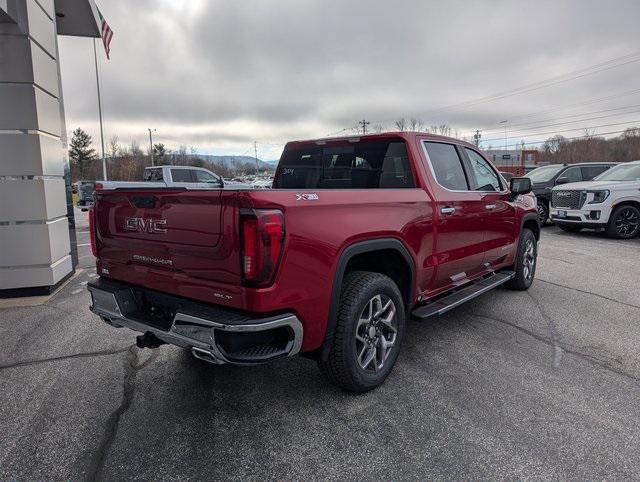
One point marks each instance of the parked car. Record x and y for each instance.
(506, 175)
(161, 176)
(610, 203)
(546, 177)
(357, 235)
(85, 194)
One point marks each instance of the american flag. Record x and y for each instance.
(107, 33)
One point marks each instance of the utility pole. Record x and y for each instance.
(364, 124)
(505, 133)
(255, 152)
(476, 138)
(151, 144)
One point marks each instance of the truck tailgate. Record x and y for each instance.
(176, 240)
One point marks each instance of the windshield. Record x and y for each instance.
(622, 172)
(544, 174)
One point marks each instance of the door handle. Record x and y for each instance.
(448, 210)
(490, 207)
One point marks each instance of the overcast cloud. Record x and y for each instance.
(217, 75)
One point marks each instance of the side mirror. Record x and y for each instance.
(520, 185)
(562, 180)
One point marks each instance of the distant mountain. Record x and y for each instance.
(234, 162)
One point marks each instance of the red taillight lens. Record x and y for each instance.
(97, 186)
(92, 232)
(262, 243)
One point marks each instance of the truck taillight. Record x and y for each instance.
(262, 234)
(97, 186)
(92, 232)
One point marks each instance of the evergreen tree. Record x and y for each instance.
(80, 152)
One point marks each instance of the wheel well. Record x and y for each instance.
(635, 204)
(388, 262)
(534, 226)
(543, 200)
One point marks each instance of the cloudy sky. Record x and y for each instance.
(217, 75)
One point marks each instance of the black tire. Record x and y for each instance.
(570, 228)
(342, 366)
(525, 271)
(543, 212)
(624, 222)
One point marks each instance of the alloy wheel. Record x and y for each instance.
(627, 222)
(376, 333)
(542, 213)
(528, 259)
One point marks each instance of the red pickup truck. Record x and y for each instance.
(357, 235)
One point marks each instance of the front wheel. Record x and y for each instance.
(526, 260)
(624, 222)
(368, 332)
(543, 212)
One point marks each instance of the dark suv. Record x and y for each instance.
(545, 177)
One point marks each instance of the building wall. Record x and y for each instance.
(36, 218)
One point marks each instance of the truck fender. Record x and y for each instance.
(346, 255)
(530, 218)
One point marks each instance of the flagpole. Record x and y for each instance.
(104, 162)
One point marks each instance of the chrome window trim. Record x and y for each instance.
(493, 168)
(433, 173)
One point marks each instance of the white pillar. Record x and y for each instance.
(35, 242)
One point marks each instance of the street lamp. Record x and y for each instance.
(151, 144)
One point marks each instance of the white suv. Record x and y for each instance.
(611, 202)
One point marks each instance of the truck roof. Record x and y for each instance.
(174, 165)
(406, 135)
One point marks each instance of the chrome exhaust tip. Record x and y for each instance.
(204, 355)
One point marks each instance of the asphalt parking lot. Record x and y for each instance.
(537, 384)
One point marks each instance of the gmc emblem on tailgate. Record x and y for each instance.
(145, 225)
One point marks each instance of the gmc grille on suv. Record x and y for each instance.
(568, 199)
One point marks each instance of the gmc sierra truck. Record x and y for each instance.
(357, 235)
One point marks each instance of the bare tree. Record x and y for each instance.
(113, 146)
(401, 124)
(444, 130)
(416, 124)
(134, 149)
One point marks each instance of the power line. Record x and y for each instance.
(568, 122)
(530, 143)
(577, 104)
(524, 124)
(566, 130)
(549, 82)
(576, 74)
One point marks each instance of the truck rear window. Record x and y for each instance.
(366, 164)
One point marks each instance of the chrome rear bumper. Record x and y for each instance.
(243, 340)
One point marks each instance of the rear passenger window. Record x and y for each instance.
(573, 174)
(484, 177)
(153, 175)
(589, 172)
(181, 175)
(365, 164)
(446, 166)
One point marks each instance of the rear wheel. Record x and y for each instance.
(570, 228)
(624, 222)
(368, 332)
(526, 260)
